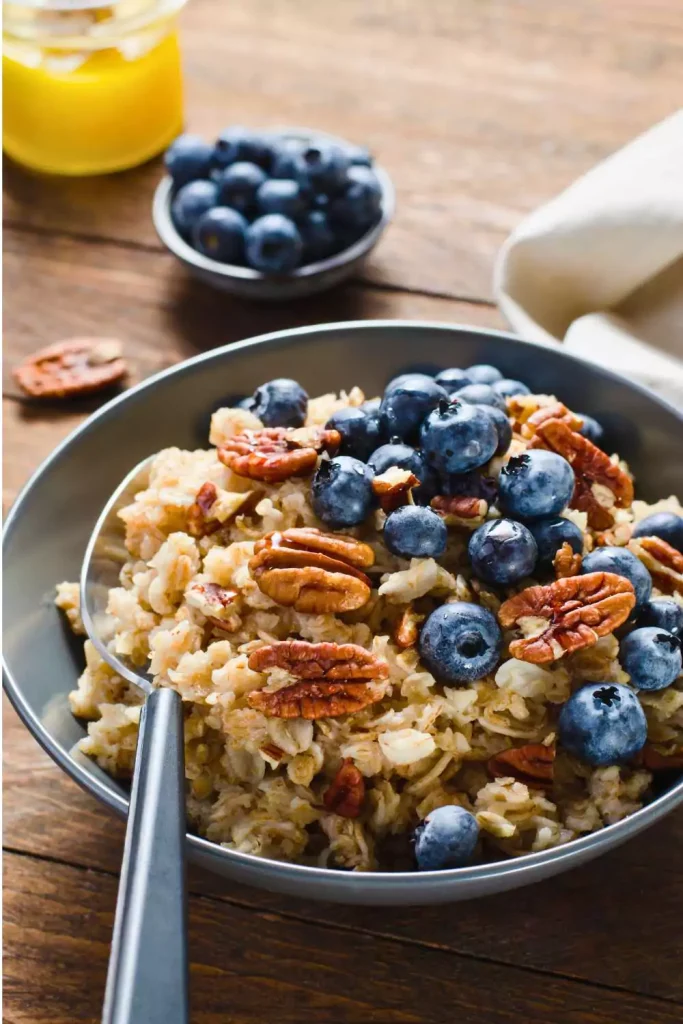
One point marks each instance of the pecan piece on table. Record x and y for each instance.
(79, 366)
(567, 615)
(662, 561)
(322, 661)
(277, 453)
(532, 764)
(312, 571)
(313, 699)
(347, 791)
(592, 468)
(460, 510)
(392, 488)
(407, 631)
(566, 562)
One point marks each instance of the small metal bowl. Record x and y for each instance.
(252, 284)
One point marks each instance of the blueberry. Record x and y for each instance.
(551, 534)
(219, 234)
(447, 838)
(191, 202)
(318, 237)
(502, 551)
(359, 155)
(286, 159)
(483, 373)
(188, 158)
(592, 429)
(457, 437)
(663, 612)
(535, 485)
(469, 485)
(273, 244)
(603, 723)
(460, 642)
(507, 388)
(452, 379)
(341, 491)
(480, 394)
(280, 403)
(247, 403)
(406, 405)
(359, 431)
(652, 657)
(665, 525)
(360, 202)
(412, 376)
(323, 166)
(396, 453)
(623, 563)
(415, 532)
(372, 405)
(282, 195)
(238, 185)
(238, 144)
(503, 427)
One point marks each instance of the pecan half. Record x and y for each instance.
(313, 699)
(199, 523)
(312, 571)
(460, 511)
(407, 631)
(346, 794)
(566, 562)
(567, 615)
(277, 453)
(663, 562)
(76, 367)
(393, 487)
(593, 469)
(533, 764)
(527, 412)
(321, 661)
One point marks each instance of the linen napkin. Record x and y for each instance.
(600, 268)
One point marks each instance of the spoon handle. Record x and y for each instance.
(147, 981)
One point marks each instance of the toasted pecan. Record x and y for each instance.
(652, 759)
(663, 562)
(313, 699)
(532, 764)
(566, 562)
(321, 661)
(527, 412)
(275, 454)
(567, 615)
(312, 571)
(346, 793)
(459, 510)
(199, 523)
(407, 629)
(591, 467)
(78, 366)
(392, 488)
(219, 605)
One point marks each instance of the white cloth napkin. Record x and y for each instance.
(600, 268)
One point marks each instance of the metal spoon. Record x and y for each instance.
(147, 980)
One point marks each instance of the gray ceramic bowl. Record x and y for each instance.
(47, 530)
(251, 284)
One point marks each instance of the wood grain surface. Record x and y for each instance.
(480, 110)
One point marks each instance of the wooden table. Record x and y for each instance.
(481, 110)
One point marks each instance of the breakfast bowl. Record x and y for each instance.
(48, 528)
(307, 279)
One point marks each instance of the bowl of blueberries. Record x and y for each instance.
(272, 215)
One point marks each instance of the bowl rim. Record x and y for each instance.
(527, 864)
(175, 243)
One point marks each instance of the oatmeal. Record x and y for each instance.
(436, 629)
